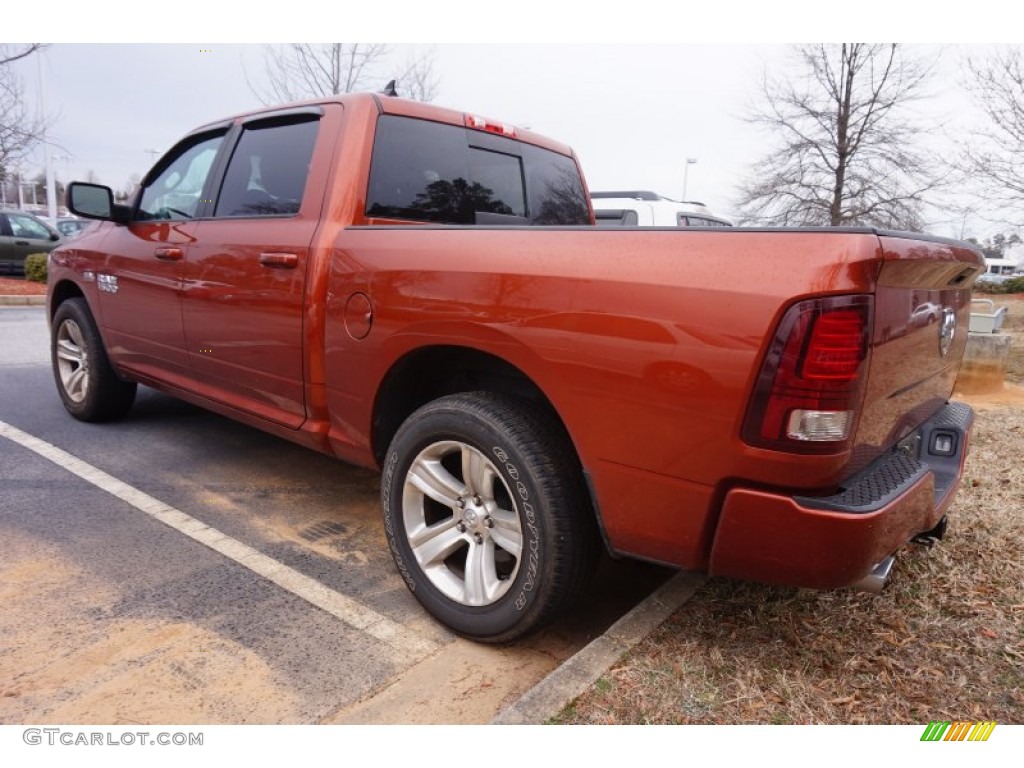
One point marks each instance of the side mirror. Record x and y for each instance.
(92, 201)
(54, 236)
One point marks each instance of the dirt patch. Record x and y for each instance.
(1011, 395)
(464, 682)
(64, 660)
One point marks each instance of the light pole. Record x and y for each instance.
(67, 173)
(686, 174)
(51, 181)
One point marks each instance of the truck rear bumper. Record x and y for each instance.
(835, 541)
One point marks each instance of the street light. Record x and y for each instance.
(67, 169)
(686, 174)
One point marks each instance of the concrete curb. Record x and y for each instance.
(579, 672)
(22, 301)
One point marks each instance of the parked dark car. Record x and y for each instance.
(22, 234)
(69, 227)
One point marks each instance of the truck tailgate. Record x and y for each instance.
(921, 316)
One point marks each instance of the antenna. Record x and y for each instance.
(389, 89)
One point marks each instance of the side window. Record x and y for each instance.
(426, 171)
(555, 189)
(23, 226)
(267, 172)
(699, 221)
(420, 171)
(612, 217)
(501, 176)
(175, 193)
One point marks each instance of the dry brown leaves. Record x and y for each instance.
(946, 639)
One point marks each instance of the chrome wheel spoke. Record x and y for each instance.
(76, 384)
(433, 544)
(507, 532)
(478, 473)
(433, 480)
(67, 350)
(75, 333)
(482, 581)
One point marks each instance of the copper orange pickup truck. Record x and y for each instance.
(424, 292)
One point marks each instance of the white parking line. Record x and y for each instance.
(353, 613)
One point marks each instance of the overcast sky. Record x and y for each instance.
(632, 112)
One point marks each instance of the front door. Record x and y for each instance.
(140, 281)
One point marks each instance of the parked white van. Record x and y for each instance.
(1000, 270)
(639, 208)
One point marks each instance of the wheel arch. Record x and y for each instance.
(61, 292)
(428, 373)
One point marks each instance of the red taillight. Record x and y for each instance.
(836, 347)
(811, 384)
(482, 124)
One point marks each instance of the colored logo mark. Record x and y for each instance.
(939, 730)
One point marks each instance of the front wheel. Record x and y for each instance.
(86, 382)
(486, 515)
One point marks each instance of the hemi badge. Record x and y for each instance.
(107, 283)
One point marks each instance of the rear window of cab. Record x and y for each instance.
(434, 172)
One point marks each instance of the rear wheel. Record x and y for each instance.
(486, 515)
(86, 382)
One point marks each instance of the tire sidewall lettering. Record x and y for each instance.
(532, 543)
(389, 523)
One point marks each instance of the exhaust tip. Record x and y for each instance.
(875, 581)
(928, 538)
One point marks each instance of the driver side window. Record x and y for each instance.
(177, 191)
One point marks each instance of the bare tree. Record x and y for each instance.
(847, 153)
(10, 54)
(302, 71)
(19, 130)
(129, 189)
(993, 162)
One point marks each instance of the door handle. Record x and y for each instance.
(281, 260)
(22, 242)
(169, 254)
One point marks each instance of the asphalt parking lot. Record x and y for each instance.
(177, 567)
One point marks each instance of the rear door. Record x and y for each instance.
(245, 277)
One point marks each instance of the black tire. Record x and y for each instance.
(86, 382)
(480, 579)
